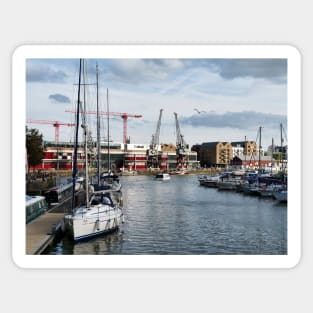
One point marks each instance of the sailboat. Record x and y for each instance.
(99, 214)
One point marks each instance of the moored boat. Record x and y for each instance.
(35, 206)
(281, 196)
(99, 214)
(268, 190)
(209, 180)
(229, 184)
(61, 192)
(162, 176)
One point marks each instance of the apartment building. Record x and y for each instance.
(248, 148)
(216, 153)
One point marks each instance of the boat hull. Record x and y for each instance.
(163, 176)
(85, 225)
(281, 196)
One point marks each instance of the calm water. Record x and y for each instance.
(181, 217)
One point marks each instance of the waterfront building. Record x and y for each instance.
(128, 156)
(279, 152)
(221, 154)
(216, 153)
(253, 162)
(248, 148)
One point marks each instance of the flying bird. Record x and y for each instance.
(199, 112)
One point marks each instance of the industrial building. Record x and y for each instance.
(121, 156)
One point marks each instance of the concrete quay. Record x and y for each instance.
(42, 231)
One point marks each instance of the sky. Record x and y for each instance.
(215, 99)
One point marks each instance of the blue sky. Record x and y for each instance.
(215, 99)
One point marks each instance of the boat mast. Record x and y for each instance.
(98, 126)
(245, 151)
(76, 139)
(84, 126)
(272, 155)
(260, 147)
(281, 147)
(109, 161)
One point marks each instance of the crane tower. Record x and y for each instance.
(56, 124)
(181, 146)
(153, 153)
(124, 116)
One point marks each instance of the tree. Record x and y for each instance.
(35, 150)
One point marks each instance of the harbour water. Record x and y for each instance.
(180, 217)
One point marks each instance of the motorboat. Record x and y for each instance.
(162, 176)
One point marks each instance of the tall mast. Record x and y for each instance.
(281, 147)
(76, 139)
(272, 155)
(260, 147)
(109, 161)
(84, 126)
(245, 150)
(98, 125)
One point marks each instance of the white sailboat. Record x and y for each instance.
(99, 214)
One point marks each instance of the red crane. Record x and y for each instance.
(56, 124)
(124, 116)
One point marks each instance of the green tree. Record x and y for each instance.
(278, 156)
(35, 150)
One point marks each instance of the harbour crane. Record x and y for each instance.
(152, 152)
(124, 116)
(181, 146)
(56, 124)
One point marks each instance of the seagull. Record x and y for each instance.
(199, 112)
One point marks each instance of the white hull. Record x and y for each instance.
(209, 181)
(96, 220)
(164, 176)
(231, 184)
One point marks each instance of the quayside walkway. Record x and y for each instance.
(41, 232)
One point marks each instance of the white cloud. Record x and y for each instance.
(143, 86)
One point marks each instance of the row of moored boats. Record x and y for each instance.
(250, 183)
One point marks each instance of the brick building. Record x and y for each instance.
(216, 153)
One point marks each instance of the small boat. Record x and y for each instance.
(35, 206)
(202, 179)
(59, 193)
(209, 180)
(230, 181)
(162, 176)
(281, 196)
(180, 171)
(251, 189)
(268, 190)
(229, 184)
